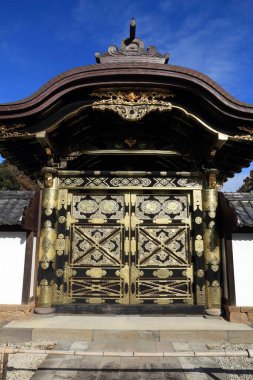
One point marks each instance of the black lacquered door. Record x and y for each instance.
(130, 248)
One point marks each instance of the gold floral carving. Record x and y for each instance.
(200, 273)
(132, 104)
(61, 219)
(68, 272)
(59, 272)
(45, 293)
(124, 273)
(62, 199)
(49, 202)
(130, 142)
(60, 244)
(188, 272)
(11, 131)
(95, 300)
(213, 294)
(201, 295)
(47, 243)
(163, 273)
(67, 245)
(135, 273)
(163, 301)
(199, 245)
(126, 246)
(44, 264)
(248, 137)
(59, 295)
(96, 272)
(197, 200)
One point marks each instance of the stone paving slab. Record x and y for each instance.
(15, 335)
(198, 336)
(59, 334)
(126, 368)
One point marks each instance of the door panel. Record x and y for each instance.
(98, 257)
(162, 259)
(131, 248)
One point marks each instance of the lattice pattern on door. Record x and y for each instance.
(131, 248)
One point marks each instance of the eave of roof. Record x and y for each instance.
(120, 74)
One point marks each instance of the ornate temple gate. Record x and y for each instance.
(131, 248)
(125, 240)
(144, 231)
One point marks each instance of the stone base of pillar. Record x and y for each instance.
(213, 312)
(44, 310)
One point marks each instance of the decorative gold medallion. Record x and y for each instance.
(95, 300)
(163, 273)
(163, 301)
(96, 272)
(200, 273)
(59, 272)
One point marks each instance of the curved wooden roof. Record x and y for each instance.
(204, 126)
(130, 74)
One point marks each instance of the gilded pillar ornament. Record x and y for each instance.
(62, 249)
(48, 238)
(211, 245)
(198, 248)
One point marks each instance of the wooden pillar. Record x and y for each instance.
(48, 238)
(211, 245)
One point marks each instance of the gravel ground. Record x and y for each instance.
(23, 366)
(238, 367)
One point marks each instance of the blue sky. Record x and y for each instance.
(39, 40)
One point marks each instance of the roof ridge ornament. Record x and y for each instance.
(132, 50)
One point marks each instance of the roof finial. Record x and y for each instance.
(132, 29)
(131, 50)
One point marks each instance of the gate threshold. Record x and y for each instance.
(144, 309)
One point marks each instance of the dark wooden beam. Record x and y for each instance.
(230, 270)
(27, 268)
(43, 139)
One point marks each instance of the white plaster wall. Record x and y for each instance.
(33, 267)
(12, 258)
(243, 264)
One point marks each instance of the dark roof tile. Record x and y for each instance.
(242, 204)
(12, 204)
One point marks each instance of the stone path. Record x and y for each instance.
(117, 368)
(128, 334)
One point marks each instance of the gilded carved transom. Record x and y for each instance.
(131, 104)
(98, 206)
(171, 207)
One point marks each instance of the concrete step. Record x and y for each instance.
(125, 328)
